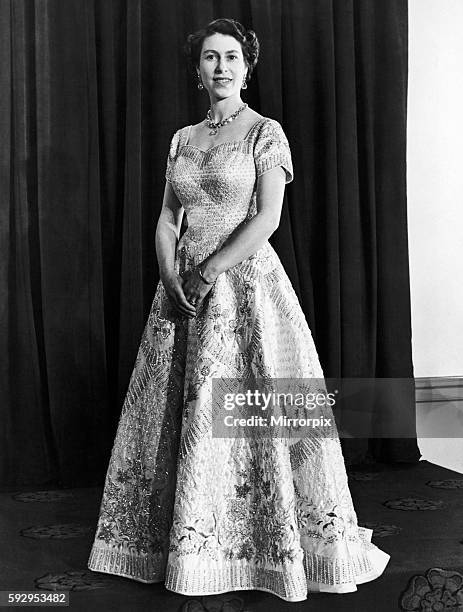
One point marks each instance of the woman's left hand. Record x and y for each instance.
(194, 288)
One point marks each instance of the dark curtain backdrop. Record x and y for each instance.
(92, 91)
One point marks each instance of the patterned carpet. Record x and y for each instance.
(416, 513)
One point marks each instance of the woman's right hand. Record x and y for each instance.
(173, 284)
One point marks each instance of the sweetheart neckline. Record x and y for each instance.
(227, 142)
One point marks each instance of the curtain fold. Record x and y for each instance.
(93, 92)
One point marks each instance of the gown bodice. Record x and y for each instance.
(217, 187)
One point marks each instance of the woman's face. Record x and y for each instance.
(221, 66)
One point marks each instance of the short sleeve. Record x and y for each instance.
(272, 149)
(172, 155)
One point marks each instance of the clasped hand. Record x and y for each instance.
(186, 291)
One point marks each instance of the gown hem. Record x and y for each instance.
(368, 565)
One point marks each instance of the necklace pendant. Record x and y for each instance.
(215, 126)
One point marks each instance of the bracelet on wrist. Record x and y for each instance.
(200, 272)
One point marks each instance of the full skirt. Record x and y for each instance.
(208, 514)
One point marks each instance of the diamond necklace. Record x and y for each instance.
(215, 126)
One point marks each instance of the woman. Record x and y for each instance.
(212, 514)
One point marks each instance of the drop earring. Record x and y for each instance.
(244, 85)
(200, 83)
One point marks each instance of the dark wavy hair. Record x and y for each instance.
(231, 27)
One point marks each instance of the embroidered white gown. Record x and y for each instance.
(205, 514)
